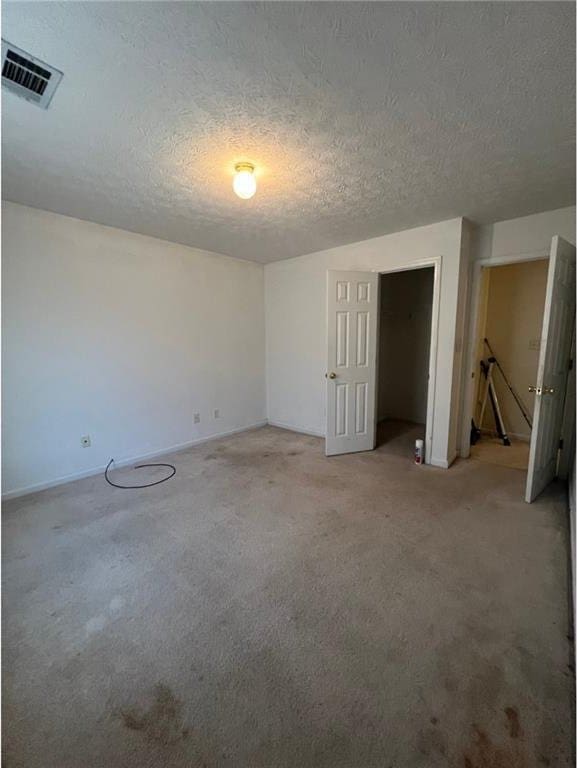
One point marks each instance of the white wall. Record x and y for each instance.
(526, 235)
(122, 337)
(295, 307)
(514, 319)
(404, 343)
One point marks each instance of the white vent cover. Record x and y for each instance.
(28, 77)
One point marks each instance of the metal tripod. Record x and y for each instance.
(491, 392)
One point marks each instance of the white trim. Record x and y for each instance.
(443, 463)
(436, 263)
(125, 462)
(515, 435)
(512, 258)
(470, 382)
(296, 428)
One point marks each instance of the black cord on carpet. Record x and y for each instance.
(140, 466)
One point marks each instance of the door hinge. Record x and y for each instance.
(561, 444)
(570, 365)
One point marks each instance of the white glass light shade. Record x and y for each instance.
(244, 182)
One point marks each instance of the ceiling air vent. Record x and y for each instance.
(28, 77)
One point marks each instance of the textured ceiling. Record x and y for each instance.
(361, 118)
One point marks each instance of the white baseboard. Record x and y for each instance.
(296, 428)
(24, 491)
(443, 463)
(513, 435)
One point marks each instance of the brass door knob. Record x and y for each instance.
(332, 375)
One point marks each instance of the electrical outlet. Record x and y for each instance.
(216, 413)
(85, 441)
(196, 418)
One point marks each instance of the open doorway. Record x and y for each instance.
(511, 305)
(405, 321)
(552, 419)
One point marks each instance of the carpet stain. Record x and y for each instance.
(515, 729)
(483, 753)
(162, 722)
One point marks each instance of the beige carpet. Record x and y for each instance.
(492, 451)
(396, 437)
(271, 608)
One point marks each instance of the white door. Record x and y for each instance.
(554, 357)
(353, 306)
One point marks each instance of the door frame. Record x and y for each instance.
(471, 363)
(436, 263)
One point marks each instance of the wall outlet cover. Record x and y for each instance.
(196, 418)
(85, 441)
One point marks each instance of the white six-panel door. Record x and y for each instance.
(353, 306)
(556, 338)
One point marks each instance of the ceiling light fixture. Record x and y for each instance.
(244, 182)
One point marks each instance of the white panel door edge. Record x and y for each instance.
(553, 369)
(352, 327)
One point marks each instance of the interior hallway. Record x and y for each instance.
(272, 607)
